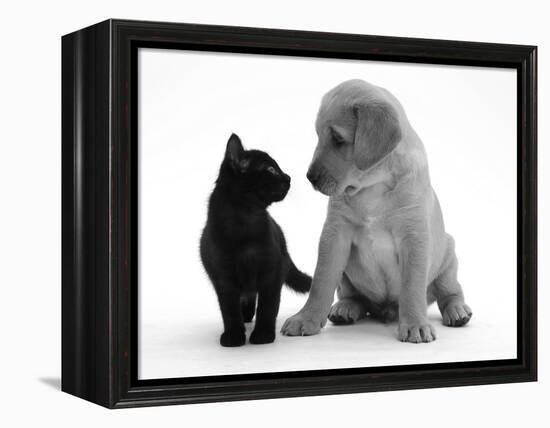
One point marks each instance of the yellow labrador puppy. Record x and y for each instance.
(383, 245)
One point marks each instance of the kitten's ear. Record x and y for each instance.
(234, 149)
(234, 153)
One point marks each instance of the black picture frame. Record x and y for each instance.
(99, 213)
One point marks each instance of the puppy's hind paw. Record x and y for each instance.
(456, 314)
(346, 311)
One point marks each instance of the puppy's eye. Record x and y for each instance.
(337, 140)
(271, 170)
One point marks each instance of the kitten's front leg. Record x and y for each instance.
(266, 314)
(248, 307)
(230, 306)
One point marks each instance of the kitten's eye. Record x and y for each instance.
(271, 170)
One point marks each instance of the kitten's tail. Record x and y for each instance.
(297, 280)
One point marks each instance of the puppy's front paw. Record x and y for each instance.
(232, 338)
(301, 325)
(456, 314)
(416, 333)
(259, 336)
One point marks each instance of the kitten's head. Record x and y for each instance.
(254, 174)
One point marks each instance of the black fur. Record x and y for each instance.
(243, 249)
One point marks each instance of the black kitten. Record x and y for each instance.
(243, 249)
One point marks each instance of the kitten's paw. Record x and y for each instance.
(416, 333)
(456, 314)
(346, 311)
(232, 338)
(259, 337)
(302, 325)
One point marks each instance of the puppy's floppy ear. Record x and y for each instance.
(234, 153)
(377, 132)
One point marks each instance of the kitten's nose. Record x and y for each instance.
(286, 182)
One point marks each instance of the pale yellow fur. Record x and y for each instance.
(384, 231)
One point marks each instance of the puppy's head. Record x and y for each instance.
(357, 127)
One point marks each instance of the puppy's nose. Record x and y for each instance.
(312, 176)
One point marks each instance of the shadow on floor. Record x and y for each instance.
(52, 382)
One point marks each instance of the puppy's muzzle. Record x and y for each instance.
(312, 176)
(320, 179)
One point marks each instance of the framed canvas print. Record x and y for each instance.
(253, 213)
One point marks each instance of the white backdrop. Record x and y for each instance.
(30, 227)
(190, 102)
